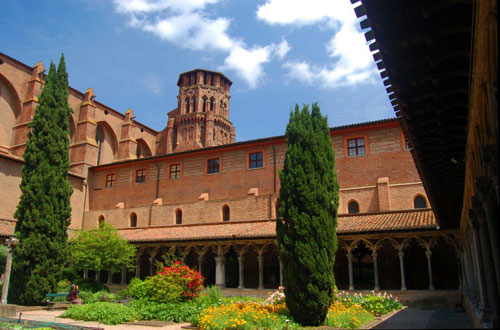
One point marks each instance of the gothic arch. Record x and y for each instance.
(72, 129)
(107, 144)
(10, 108)
(143, 149)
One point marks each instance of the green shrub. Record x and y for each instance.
(171, 312)
(90, 284)
(87, 297)
(103, 312)
(378, 304)
(173, 284)
(137, 289)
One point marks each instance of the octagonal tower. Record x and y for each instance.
(202, 115)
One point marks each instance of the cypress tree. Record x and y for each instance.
(44, 210)
(306, 230)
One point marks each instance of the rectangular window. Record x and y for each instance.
(356, 147)
(256, 160)
(140, 176)
(175, 171)
(213, 166)
(110, 180)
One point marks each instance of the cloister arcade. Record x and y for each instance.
(395, 261)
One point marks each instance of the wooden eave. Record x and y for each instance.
(423, 50)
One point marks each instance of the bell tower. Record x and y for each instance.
(202, 115)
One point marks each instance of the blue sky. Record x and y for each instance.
(276, 52)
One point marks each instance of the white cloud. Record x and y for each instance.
(282, 49)
(187, 24)
(248, 63)
(351, 59)
(153, 82)
(300, 12)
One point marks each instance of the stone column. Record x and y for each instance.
(110, 278)
(200, 263)
(401, 255)
(428, 254)
(489, 270)
(260, 259)
(375, 271)
(138, 267)
(477, 260)
(351, 278)
(124, 276)
(85, 273)
(220, 271)
(487, 197)
(281, 273)
(460, 270)
(151, 265)
(241, 284)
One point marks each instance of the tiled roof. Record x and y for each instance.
(7, 227)
(347, 224)
(386, 221)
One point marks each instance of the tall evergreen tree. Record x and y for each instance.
(306, 230)
(44, 210)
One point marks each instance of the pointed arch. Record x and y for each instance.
(107, 144)
(143, 149)
(10, 108)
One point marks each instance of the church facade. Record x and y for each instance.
(191, 186)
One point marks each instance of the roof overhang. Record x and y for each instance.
(423, 52)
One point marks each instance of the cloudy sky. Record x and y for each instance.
(276, 52)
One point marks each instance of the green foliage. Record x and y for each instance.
(171, 312)
(158, 288)
(377, 304)
(44, 209)
(172, 284)
(3, 258)
(90, 284)
(104, 312)
(101, 249)
(306, 231)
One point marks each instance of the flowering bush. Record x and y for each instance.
(171, 284)
(277, 297)
(376, 303)
(188, 279)
(243, 315)
(348, 317)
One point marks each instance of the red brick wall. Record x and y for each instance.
(385, 161)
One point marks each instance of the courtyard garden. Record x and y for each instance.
(176, 294)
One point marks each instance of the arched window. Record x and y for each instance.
(187, 104)
(205, 103)
(225, 213)
(419, 202)
(178, 217)
(277, 210)
(100, 220)
(212, 104)
(353, 207)
(205, 78)
(99, 138)
(193, 100)
(133, 220)
(212, 80)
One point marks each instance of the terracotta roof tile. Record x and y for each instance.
(7, 227)
(347, 224)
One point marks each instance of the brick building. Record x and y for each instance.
(193, 187)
